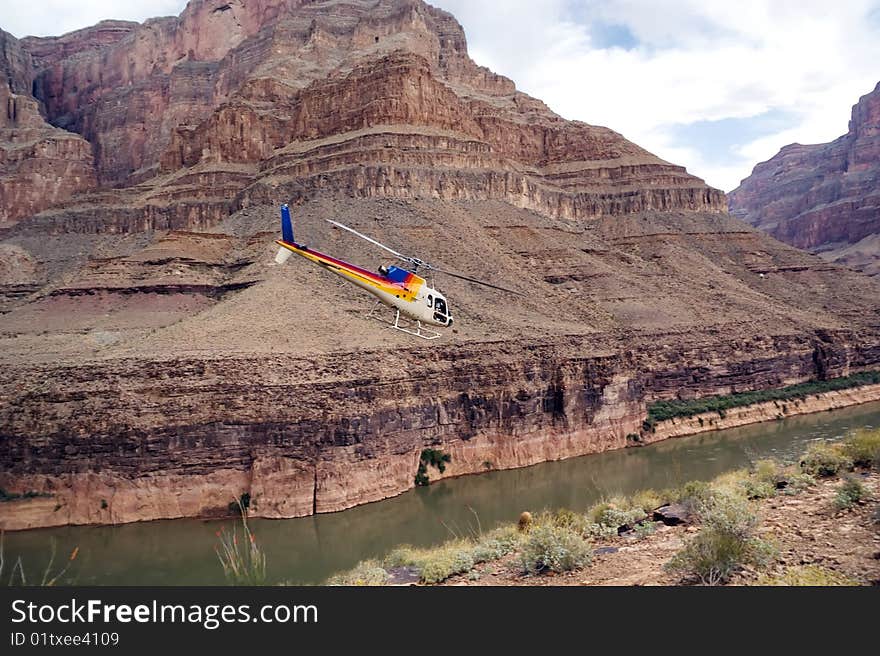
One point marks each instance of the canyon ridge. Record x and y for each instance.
(156, 363)
(824, 198)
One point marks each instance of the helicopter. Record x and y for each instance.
(400, 288)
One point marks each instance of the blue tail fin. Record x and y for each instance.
(286, 225)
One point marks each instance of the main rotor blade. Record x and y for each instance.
(417, 262)
(371, 240)
(479, 282)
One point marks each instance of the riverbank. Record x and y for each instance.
(98, 499)
(816, 523)
(759, 412)
(308, 550)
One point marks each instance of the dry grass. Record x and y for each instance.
(48, 578)
(243, 560)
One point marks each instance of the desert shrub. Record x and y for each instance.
(766, 479)
(597, 511)
(554, 548)
(489, 550)
(646, 500)
(806, 575)
(242, 504)
(435, 458)
(824, 459)
(600, 531)
(436, 564)
(863, 447)
(645, 529)
(726, 542)
(430, 458)
(662, 410)
(695, 494)
(14, 496)
(849, 494)
(439, 564)
(400, 557)
(729, 482)
(368, 572)
(755, 489)
(496, 544)
(669, 495)
(617, 518)
(565, 518)
(768, 471)
(606, 517)
(797, 482)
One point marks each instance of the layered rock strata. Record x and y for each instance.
(218, 107)
(40, 165)
(131, 440)
(825, 197)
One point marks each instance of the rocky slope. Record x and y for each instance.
(156, 363)
(826, 197)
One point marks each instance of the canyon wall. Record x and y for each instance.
(133, 441)
(221, 107)
(40, 165)
(760, 412)
(825, 197)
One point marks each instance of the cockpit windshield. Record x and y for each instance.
(441, 314)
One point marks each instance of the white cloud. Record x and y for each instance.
(695, 60)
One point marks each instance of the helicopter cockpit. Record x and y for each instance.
(441, 312)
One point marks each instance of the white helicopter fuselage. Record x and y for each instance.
(394, 286)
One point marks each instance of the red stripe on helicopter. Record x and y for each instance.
(351, 267)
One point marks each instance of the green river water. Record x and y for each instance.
(309, 549)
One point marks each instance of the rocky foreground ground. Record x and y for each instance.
(809, 533)
(814, 522)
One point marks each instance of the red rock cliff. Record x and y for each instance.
(262, 84)
(825, 197)
(40, 165)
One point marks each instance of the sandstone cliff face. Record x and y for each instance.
(389, 127)
(182, 437)
(761, 412)
(39, 165)
(826, 197)
(233, 83)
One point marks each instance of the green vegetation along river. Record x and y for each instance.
(309, 549)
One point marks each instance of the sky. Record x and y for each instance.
(714, 85)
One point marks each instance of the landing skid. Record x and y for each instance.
(418, 331)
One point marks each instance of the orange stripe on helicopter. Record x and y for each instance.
(407, 289)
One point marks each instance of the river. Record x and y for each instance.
(309, 549)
